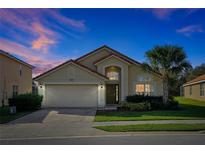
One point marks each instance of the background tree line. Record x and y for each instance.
(192, 73)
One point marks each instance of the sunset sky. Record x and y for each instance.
(48, 37)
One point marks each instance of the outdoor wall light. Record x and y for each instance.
(40, 85)
(101, 85)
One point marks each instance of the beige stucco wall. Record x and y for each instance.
(195, 92)
(71, 74)
(88, 61)
(124, 73)
(9, 76)
(138, 75)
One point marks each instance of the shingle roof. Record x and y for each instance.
(124, 57)
(196, 80)
(110, 55)
(117, 52)
(70, 61)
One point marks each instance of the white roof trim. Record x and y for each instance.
(72, 83)
(188, 84)
(69, 62)
(111, 57)
(87, 70)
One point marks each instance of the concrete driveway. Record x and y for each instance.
(52, 123)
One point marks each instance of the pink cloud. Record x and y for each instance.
(41, 62)
(166, 13)
(163, 13)
(23, 17)
(65, 20)
(189, 30)
(37, 35)
(33, 22)
(43, 68)
(45, 38)
(42, 43)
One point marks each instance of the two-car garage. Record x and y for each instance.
(71, 85)
(69, 95)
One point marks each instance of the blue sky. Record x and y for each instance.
(47, 37)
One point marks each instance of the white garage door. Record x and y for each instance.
(71, 96)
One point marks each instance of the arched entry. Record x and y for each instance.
(113, 85)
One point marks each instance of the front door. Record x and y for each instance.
(112, 93)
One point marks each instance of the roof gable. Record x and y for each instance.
(111, 56)
(198, 79)
(115, 52)
(112, 51)
(15, 59)
(67, 63)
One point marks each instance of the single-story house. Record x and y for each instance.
(15, 77)
(101, 77)
(195, 88)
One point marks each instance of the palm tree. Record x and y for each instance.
(169, 60)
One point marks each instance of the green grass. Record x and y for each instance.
(6, 117)
(190, 109)
(153, 127)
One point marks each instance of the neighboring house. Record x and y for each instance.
(99, 78)
(195, 88)
(15, 77)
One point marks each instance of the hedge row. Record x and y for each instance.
(156, 102)
(26, 102)
(143, 106)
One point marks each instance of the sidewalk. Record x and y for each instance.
(149, 122)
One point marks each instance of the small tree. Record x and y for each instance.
(169, 60)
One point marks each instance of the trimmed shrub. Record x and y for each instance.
(143, 98)
(128, 106)
(156, 102)
(26, 102)
(172, 105)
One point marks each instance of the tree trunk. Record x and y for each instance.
(165, 90)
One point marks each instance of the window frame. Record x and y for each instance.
(20, 70)
(190, 90)
(145, 91)
(201, 89)
(112, 71)
(113, 76)
(15, 90)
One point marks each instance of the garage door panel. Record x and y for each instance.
(71, 96)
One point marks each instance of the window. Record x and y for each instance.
(190, 90)
(202, 89)
(15, 90)
(143, 89)
(113, 72)
(113, 75)
(117, 93)
(20, 70)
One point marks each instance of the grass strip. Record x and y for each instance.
(152, 127)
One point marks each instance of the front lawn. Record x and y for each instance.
(6, 117)
(190, 109)
(153, 127)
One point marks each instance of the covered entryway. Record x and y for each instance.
(68, 95)
(112, 94)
